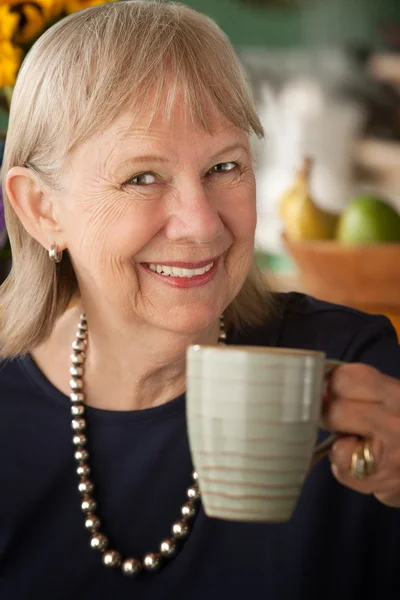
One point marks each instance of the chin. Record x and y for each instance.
(191, 320)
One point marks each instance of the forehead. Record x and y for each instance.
(174, 133)
(176, 123)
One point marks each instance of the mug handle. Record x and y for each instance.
(323, 448)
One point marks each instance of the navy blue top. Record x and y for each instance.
(338, 545)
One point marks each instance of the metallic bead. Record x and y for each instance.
(131, 567)
(77, 410)
(83, 318)
(79, 439)
(78, 424)
(92, 523)
(111, 558)
(76, 371)
(88, 504)
(193, 493)
(168, 548)
(81, 454)
(78, 358)
(188, 510)
(79, 345)
(76, 397)
(180, 530)
(76, 384)
(83, 470)
(85, 486)
(152, 561)
(98, 541)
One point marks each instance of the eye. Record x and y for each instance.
(225, 167)
(142, 179)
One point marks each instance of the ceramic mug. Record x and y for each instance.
(253, 416)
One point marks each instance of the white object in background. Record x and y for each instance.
(302, 120)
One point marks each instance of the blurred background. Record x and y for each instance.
(326, 78)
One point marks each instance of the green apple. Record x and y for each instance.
(367, 220)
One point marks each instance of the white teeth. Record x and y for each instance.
(178, 271)
(166, 270)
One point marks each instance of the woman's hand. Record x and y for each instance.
(361, 401)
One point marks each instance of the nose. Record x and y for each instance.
(193, 215)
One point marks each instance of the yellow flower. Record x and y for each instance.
(32, 22)
(10, 61)
(75, 5)
(32, 18)
(8, 23)
(51, 8)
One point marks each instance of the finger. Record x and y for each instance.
(386, 491)
(341, 459)
(343, 449)
(352, 417)
(362, 382)
(384, 483)
(365, 419)
(389, 499)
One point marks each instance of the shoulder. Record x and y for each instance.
(9, 371)
(15, 384)
(301, 321)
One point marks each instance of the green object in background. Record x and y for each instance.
(275, 262)
(368, 220)
(312, 23)
(247, 26)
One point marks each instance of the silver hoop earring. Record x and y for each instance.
(54, 255)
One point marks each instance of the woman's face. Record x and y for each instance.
(159, 221)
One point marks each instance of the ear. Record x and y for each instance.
(34, 207)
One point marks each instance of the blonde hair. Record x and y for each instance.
(73, 84)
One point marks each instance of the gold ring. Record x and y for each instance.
(362, 461)
(370, 464)
(358, 462)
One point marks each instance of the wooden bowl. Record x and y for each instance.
(358, 275)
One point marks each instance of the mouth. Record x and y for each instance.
(181, 274)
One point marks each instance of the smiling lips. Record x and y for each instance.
(172, 271)
(184, 274)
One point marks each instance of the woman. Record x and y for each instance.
(130, 201)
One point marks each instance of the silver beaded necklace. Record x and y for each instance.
(98, 541)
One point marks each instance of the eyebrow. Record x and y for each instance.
(149, 158)
(231, 148)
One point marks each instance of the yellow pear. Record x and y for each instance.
(303, 219)
(298, 189)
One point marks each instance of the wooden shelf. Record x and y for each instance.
(292, 282)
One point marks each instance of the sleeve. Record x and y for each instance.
(376, 344)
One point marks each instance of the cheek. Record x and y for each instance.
(112, 232)
(126, 235)
(239, 213)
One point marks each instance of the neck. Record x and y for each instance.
(125, 368)
(132, 371)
